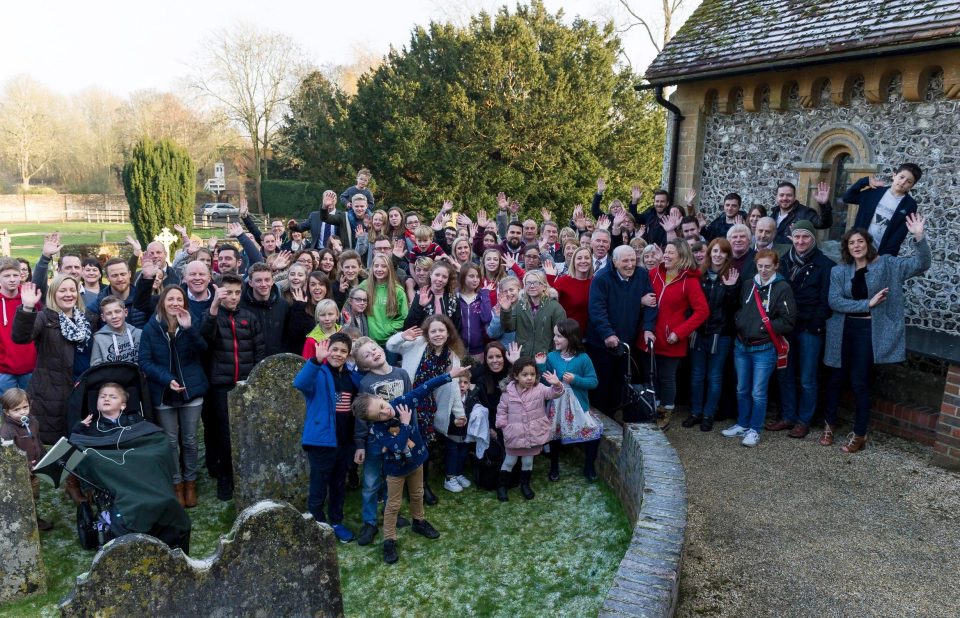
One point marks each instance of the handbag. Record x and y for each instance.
(779, 342)
(571, 423)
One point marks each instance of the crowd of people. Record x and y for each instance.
(432, 338)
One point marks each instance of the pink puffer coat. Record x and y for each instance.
(523, 417)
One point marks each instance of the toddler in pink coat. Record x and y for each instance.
(522, 416)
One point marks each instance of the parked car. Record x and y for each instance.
(220, 209)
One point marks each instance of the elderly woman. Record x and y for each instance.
(867, 325)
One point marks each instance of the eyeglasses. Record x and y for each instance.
(358, 300)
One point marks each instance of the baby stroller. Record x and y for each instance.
(126, 470)
(638, 401)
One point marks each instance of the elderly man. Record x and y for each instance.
(157, 254)
(766, 235)
(808, 271)
(600, 247)
(739, 238)
(622, 303)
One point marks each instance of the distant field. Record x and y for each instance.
(28, 247)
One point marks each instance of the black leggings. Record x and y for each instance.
(667, 378)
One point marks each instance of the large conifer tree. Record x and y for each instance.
(159, 180)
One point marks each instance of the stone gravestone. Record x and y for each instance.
(21, 568)
(266, 422)
(274, 562)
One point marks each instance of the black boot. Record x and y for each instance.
(429, 498)
(590, 450)
(706, 424)
(525, 489)
(692, 420)
(554, 454)
(502, 482)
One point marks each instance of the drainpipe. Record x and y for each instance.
(675, 143)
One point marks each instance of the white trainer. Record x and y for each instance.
(451, 484)
(464, 481)
(751, 438)
(734, 431)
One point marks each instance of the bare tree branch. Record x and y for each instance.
(641, 21)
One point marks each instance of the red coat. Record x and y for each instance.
(574, 297)
(682, 308)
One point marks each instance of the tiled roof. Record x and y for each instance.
(732, 34)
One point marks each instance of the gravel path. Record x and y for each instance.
(792, 528)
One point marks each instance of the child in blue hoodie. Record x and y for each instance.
(329, 387)
(393, 433)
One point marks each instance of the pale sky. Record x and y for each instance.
(126, 46)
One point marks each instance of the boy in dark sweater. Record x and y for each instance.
(391, 433)
(328, 387)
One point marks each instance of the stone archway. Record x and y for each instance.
(838, 155)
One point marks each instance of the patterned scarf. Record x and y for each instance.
(76, 330)
(431, 365)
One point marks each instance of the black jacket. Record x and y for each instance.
(821, 220)
(719, 227)
(723, 303)
(811, 289)
(234, 345)
(778, 298)
(272, 315)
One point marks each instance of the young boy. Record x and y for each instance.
(328, 387)
(392, 427)
(117, 341)
(20, 427)
(388, 382)
(235, 345)
(111, 401)
(424, 246)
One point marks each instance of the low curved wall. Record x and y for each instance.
(643, 469)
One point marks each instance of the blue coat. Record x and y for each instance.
(155, 360)
(868, 200)
(320, 424)
(615, 306)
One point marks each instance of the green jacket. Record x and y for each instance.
(534, 332)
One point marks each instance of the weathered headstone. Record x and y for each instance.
(266, 422)
(274, 562)
(21, 567)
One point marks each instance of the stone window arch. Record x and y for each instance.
(838, 155)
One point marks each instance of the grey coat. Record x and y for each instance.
(888, 326)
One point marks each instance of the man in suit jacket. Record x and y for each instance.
(883, 210)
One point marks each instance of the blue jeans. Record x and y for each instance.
(9, 380)
(372, 484)
(805, 358)
(755, 365)
(707, 365)
(456, 457)
(180, 424)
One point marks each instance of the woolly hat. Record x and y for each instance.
(803, 225)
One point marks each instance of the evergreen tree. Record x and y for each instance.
(159, 180)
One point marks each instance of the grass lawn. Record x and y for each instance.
(553, 555)
(70, 234)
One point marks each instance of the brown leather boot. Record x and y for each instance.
(855, 444)
(826, 438)
(664, 416)
(72, 487)
(190, 494)
(178, 489)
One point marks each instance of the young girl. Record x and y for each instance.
(395, 227)
(457, 446)
(327, 264)
(420, 278)
(428, 352)
(569, 360)
(351, 274)
(21, 428)
(475, 310)
(354, 313)
(327, 324)
(436, 299)
(297, 295)
(522, 416)
(386, 307)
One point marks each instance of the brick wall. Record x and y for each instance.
(947, 445)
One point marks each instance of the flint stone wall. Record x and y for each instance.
(645, 472)
(266, 423)
(750, 152)
(275, 562)
(21, 567)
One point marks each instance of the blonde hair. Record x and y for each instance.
(539, 275)
(323, 306)
(572, 270)
(54, 287)
(357, 344)
(424, 232)
(686, 260)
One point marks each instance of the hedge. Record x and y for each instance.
(291, 198)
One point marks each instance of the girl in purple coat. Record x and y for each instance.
(522, 416)
(475, 310)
